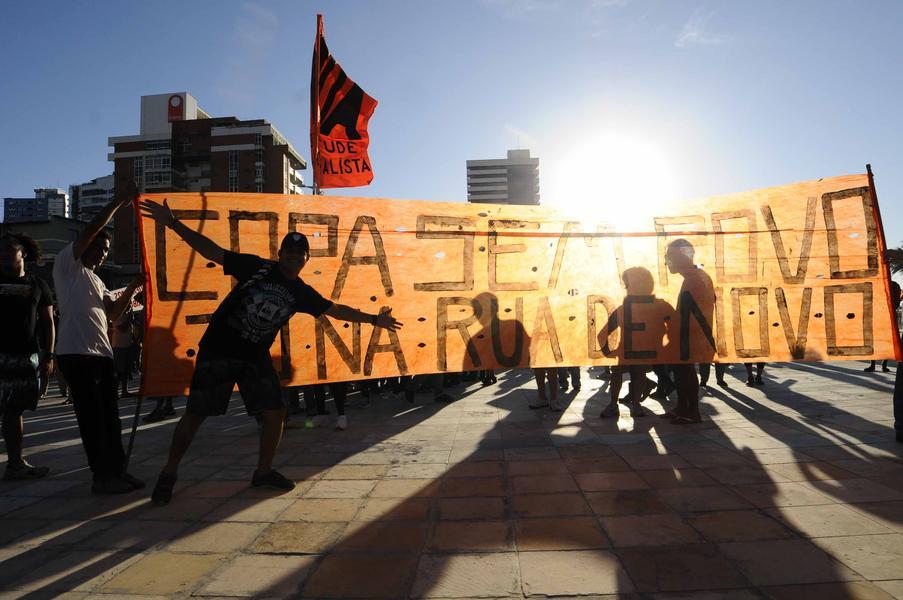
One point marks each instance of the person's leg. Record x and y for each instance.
(339, 390)
(81, 376)
(575, 377)
(270, 436)
(720, 369)
(750, 379)
(704, 370)
(687, 393)
(760, 367)
(637, 389)
(310, 401)
(182, 436)
(13, 426)
(539, 375)
(884, 367)
(898, 404)
(113, 452)
(870, 368)
(614, 390)
(552, 375)
(562, 374)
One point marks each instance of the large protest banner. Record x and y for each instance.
(787, 273)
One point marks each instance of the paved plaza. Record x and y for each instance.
(791, 490)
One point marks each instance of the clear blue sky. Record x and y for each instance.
(733, 95)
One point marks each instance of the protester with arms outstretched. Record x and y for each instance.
(27, 322)
(235, 348)
(84, 352)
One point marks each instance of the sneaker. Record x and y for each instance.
(136, 483)
(272, 479)
(750, 382)
(24, 471)
(320, 420)
(759, 381)
(169, 411)
(111, 485)
(723, 383)
(869, 369)
(341, 423)
(162, 493)
(153, 416)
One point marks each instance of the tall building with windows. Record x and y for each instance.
(512, 180)
(88, 198)
(181, 148)
(47, 202)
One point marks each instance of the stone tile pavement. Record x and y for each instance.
(790, 490)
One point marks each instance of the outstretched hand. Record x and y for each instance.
(161, 213)
(387, 321)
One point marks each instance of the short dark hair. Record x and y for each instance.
(30, 249)
(103, 234)
(296, 241)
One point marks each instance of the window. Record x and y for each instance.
(138, 171)
(258, 171)
(156, 162)
(233, 162)
(259, 187)
(258, 139)
(258, 155)
(157, 145)
(233, 183)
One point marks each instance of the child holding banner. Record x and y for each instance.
(235, 346)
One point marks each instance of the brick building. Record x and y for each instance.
(181, 148)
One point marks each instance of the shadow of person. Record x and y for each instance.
(640, 328)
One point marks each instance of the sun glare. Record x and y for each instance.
(612, 179)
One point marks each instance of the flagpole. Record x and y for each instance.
(315, 108)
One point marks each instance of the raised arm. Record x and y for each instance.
(203, 245)
(100, 221)
(118, 306)
(346, 313)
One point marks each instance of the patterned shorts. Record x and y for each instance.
(215, 377)
(19, 382)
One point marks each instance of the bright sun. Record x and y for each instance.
(613, 179)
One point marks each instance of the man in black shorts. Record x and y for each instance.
(235, 348)
(25, 302)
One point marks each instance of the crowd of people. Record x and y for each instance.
(96, 341)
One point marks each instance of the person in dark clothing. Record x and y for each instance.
(26, 347)
(235, 348)
(696, 300)
(705, 370)
(756, 379)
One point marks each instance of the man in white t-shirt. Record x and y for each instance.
(84, 353)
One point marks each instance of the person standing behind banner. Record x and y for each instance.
(84, 352)
(122, 350)
(697, 289)
(235, 348)
(25, 303)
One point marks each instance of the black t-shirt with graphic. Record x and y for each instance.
(262, 302)
(20, 299)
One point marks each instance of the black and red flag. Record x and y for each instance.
(339, 113)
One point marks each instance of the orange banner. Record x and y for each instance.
(787, 273)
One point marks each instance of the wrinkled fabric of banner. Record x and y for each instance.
(787, 273)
